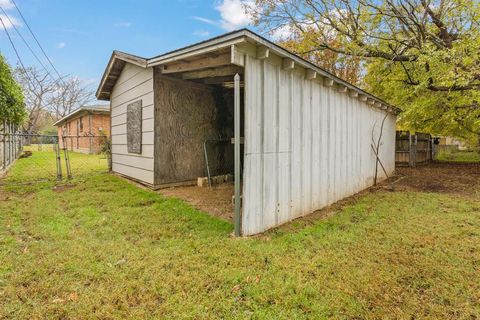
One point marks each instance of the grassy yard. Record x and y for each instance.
(42, 164)
(459, 156)
(101, 247)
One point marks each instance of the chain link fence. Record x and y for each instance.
(49, 157)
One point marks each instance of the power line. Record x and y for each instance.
(38, 43)
(25, 41)
(18, 56)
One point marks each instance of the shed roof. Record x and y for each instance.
(118, 60)
(99, 108)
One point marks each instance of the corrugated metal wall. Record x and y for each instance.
(306, 145)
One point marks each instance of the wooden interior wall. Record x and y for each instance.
(186, 114)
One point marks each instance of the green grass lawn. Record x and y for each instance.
(101, 247)
(42, 164)
(459, 156)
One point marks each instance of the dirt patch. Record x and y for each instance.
(216, 201)
(454, 178)
(459, 179)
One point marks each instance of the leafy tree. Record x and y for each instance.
(421, 55)
(344, 66)
(12, 107)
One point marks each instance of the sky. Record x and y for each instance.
(79, 36)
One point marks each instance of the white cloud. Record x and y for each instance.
(201, 33)
(9, 21)
(125, 24)
(233, 15)
(89, 81)
(282, 33)
(6, 4)
(61, 45)
(205, 20)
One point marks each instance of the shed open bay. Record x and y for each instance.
(299, 137)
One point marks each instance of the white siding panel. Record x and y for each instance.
(137, 90)
(147, 150)
(133, 161)
(133, 172)
(147, 139)
(147, 104)
(306, 146)
(134, 83)
(270, 147)
(253, 163)
(284, 146)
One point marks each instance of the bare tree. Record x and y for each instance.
(37, 88)
(47, 99)
(69, 95)
(422, 55)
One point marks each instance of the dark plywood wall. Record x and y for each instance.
(186, 114)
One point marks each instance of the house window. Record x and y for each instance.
(80, 125)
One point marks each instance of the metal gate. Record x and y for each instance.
(27, 158)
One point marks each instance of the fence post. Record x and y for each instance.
(67, 160)
(410, 153)
(59, 160)
(8, 145)
(415, 150)
(10, 153)
(4, 145)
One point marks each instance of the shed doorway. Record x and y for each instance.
(194, 134)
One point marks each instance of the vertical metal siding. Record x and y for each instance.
(306, 146)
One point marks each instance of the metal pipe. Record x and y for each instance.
(59, 160)
(206, 156)
(206, 163)
(236, 80)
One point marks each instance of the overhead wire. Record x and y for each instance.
(38, 42)
(26, 43)
(18, 55)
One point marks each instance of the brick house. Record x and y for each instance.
(85, 129)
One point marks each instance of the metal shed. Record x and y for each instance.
(301, 136)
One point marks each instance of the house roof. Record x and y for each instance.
(99, 108)
(119, 59)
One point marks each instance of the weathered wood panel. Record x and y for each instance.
(306, 145)
(187, 114)
(134, 84)
(134, 127)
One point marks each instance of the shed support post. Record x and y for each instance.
(238, 201)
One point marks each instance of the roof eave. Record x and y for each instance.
(117, 55)
(306, 64)
(214, 44)
(76, 112)
(223, 41)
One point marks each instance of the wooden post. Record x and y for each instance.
(410, 149)
(236, 80)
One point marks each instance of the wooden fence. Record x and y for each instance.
(412, 149)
